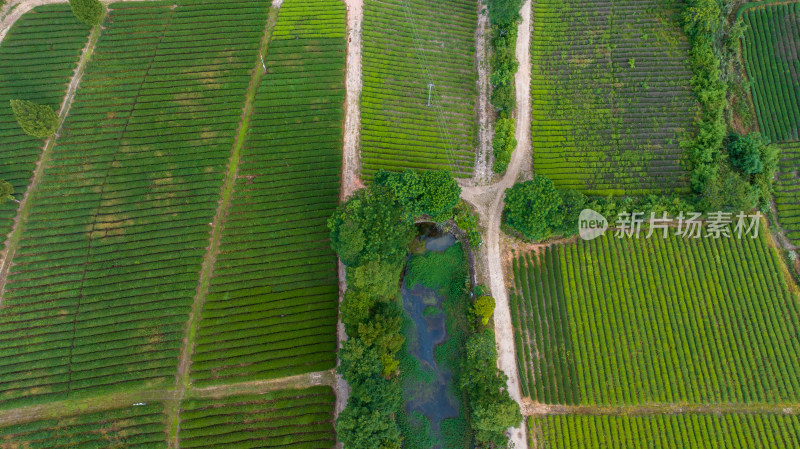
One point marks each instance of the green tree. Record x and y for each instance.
(729, 191)
(572, 203)
(368, 225)
(360, 427)
(355, 308)
(442, 193)
(746, 152)
(375, 277)
(382, 331)
(491, 419)
(533, 208)
(504, 12)
(484, 308)
(503, 144)
(6, 191)
(35, 119)
(90, 12)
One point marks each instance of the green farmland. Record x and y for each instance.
(667, 432)
(771, 43)
(140, 426)
(301, 419)
(101, 285)
(272, 305)
(174, 128)
(408, 44)
(626, 321)
(38, 57)
(787, 191)
(610, 95)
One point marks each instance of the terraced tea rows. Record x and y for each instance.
(139, 426)
(627, 321)
(408, 44)
(663, 432)
(300, 419)
(39, 55)
(771, 45)
(99, 292)
(787, 191)
(610, 95)
(272, 305)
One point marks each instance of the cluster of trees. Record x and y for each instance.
(90, 12)
(538, 210)
(503, 15)
(722, 180)
(371, 232)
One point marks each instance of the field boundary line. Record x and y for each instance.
(531, 409)
(182, 378)
(296, 382)
(15, 235)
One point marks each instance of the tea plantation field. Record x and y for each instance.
(610, 95)
(665, 432)
(787, 191)
(101, 285)
(140, 427)
(301, 419)
(771, 45)
(272, 305)
(37, 59)
(408, 44)
(626, 321)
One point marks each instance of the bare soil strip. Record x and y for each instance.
(482, 173)
(12, 242)
(351, 160)
(182, 379)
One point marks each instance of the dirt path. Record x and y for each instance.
(489, 204)
(482, 174)
(351, 160)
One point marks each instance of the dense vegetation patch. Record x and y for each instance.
(37, 120)
(371, 232)
(90, 12)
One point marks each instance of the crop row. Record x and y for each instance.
(787, 191)
(301, 419)
(543, 346)
(610, 95)
(406, 45)
(39, 55)
(271, 309)
(667, 431)
(141, 427)
(100, 288)
(771, 43)
(666, 320)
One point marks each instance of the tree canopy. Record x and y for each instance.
(533, 208)
(90, 12)
(35, 119)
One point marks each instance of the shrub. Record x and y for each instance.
(503, 144)
(90, 12)
(484, 308)
(533, 208)
(35, 119)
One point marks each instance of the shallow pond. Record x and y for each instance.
(430, 393)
